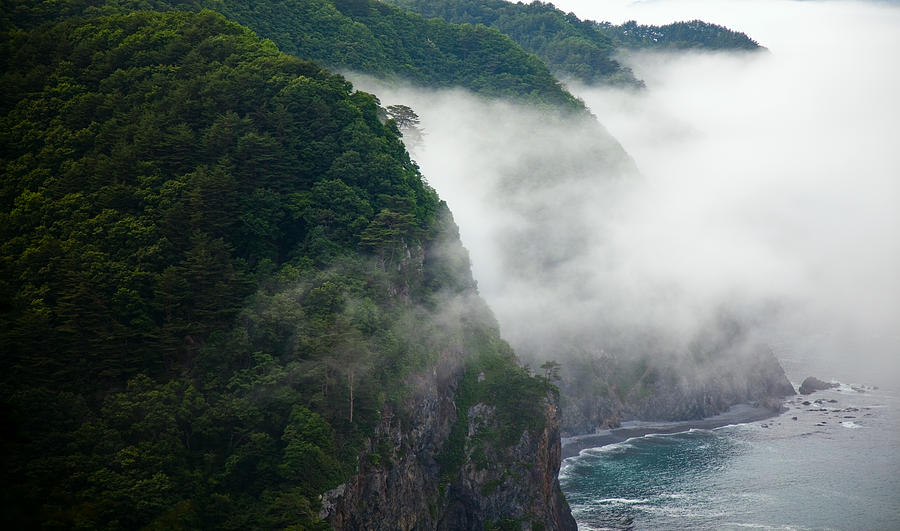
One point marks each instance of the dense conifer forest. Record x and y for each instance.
(572, 48)
(219, 267)
(366, 36)
(207, 290)
(691, 35)
(579, 49)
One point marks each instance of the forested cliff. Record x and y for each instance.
(365, 36)
(228, 297)
(225, 286)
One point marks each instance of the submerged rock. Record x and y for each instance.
(812, 384)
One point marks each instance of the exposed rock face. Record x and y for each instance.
(400, 485)
(403, 480)
(812, 384)
(524, 477)
(400, 490)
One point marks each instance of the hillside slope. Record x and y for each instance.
(364, 36)
(572, 48)
(227, 290)
(579, 49)
(691, 35)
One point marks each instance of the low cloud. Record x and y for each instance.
(767, 191)
(784, 165)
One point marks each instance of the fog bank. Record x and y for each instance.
(786, 161)
(768, 194)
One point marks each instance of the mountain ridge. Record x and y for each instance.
(572, 48)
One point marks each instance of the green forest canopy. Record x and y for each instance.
(569, 46)
(367, 36)
(694, 34)
(574, 48)
(202, 242)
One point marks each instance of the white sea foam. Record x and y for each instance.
(673, 496)
(621, 501)
(671, 434)
(586, 527)
(688, 512)
(660, 435)
(850, 424)
(607, 449)
(760, 526)
(737, 426)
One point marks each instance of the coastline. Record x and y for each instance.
(737, 414)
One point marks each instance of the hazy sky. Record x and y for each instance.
(769, 187)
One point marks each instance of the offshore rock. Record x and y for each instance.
(812, 384)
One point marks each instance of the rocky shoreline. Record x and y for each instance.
(738, 414)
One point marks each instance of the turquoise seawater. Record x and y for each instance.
(837, 466)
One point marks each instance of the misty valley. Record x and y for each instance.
(456, 264)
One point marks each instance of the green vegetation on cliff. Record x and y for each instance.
(695, 34)
(569, 46)
(367, 36)
(580, 49)
(216, 264)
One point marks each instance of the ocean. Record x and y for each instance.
(832, 463)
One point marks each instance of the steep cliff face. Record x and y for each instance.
(396, 485)
(475, 441)
(509, 485)
(400, 485)
(226, 289)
